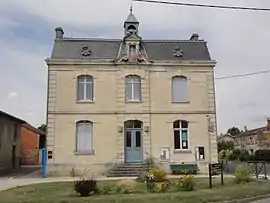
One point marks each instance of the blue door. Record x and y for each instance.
(133, 146)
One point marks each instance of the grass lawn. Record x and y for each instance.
(63, 193)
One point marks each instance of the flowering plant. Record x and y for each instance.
(185, 183)
(150, 182)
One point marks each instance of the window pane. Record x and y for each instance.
(179, 89)
(128, 139)
(88, 78)
(136, 79)
(176, 139)
(176, 124)
(201, 153)
(184, 124)
(81, 78)
(84, 137)
(137, 124)
(138, 139)
(89, 91)
(137, 91)
(128, 79)
(184, 137)
(80, 91)
(128, 91)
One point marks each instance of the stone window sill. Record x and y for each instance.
(180, 151)
(92, 152)
(180, 102)
(133, 101)
(85, 101)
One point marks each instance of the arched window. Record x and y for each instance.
(84, 136)
(85, 90)
(181, 136)
(179, 89)
(133, 88)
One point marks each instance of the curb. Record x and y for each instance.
(249, 199)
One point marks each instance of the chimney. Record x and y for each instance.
(59, 33)
(268, 124)
(245, 129)
(194, 37)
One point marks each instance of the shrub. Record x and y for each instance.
(185, 183)
(244, 156)
(85, 187)
(105, 189)
(125, 186)
(141, 176)
(163, 187)
(262, 155)
(159, 174)
(243, 174)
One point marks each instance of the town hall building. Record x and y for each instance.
(121, 101)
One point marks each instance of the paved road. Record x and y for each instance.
(262, 201)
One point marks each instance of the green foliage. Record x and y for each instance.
(243, 174)
(125, 186)
(225, 145)
(185, 183)
(159, 174)
(233, 131)
(163, 187)
(262, 155)
(85, 187)
(105, 189)
(141, 176)
(244, 156)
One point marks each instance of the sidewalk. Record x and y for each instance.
(8, 183)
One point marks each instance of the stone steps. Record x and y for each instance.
(126, 170)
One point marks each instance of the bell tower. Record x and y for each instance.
(131, 25)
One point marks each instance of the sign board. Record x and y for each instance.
(216, 169)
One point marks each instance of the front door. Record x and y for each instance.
(133, 146)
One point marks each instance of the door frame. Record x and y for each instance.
(125, 147)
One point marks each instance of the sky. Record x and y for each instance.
(238, 40)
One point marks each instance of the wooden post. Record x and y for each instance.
(256, 170)
(222, 178)
(265, 177)
(210, 175)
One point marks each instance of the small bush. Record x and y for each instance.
(141, 176)
(163, 187)
(125, 186)
(159, 174)
(85, 187)
(185, 183)
(105, 189)
(243, 174)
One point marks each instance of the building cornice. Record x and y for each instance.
(54, 61)
(127, 112)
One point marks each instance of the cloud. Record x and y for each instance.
(238, 40)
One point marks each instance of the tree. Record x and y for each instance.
(233, 131)
(225, 145)
(42, 137)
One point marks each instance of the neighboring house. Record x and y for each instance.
(30, 145)
(10, 135)
(122, 101)
(254, 139)
(225, 137)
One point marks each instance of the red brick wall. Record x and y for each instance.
(29, 147)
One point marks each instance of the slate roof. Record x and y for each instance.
(70, 48)
(251, 132)
(131, 19)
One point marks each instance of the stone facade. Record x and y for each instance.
(109, 110)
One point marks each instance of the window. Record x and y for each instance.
(84, 136)
(85, 88)
(179, 89)
(200, 153)
(133, 88)
(181, 136)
